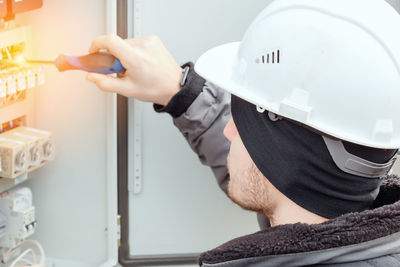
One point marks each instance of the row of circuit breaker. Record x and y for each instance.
(14, 81)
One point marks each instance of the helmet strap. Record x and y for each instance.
(355, 165)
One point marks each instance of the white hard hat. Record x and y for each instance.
(333, 65)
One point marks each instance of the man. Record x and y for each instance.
(315, 91)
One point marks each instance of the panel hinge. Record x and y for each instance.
(119, 230)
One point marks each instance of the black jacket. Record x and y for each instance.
(369, 238)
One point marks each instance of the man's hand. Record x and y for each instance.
(152, 74)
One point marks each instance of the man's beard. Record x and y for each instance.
(249, 189)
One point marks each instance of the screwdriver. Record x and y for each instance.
(100, 62)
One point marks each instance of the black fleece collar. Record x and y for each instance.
(353, 228)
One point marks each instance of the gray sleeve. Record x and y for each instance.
(202, 125)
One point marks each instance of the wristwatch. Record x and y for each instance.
(185, 73)
(191, 86)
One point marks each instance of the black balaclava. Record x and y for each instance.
(297, 162)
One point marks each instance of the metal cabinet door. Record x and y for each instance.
(176, 209)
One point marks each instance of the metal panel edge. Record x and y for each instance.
(111, 124)
(122, 154)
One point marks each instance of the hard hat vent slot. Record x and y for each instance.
(270, 58)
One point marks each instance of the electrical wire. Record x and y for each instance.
(33, 243)
(26, 261)
(21, 256)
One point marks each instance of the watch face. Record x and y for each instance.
(19, 6)
(185, 75)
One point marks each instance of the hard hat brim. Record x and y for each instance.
(216, 66)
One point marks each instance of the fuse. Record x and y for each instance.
(21, 161)
(40, 79)
(30, 77)
(39, 145)
(35, 154)
(33, 144)
(14, 157)
(46, 141)
(48, 150)
(3, 87)
(11, 85)
(21, 81)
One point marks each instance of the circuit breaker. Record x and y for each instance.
(19, 213)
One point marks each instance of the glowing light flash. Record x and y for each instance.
(20, 59)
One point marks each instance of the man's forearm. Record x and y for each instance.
(201, 111)
(203, 124)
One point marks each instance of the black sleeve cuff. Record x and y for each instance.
(180, 102)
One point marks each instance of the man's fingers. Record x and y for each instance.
(113, 43)
(133, 42)
(107, 83)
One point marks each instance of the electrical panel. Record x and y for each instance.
(23, 148)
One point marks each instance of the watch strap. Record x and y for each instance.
(191, 86)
